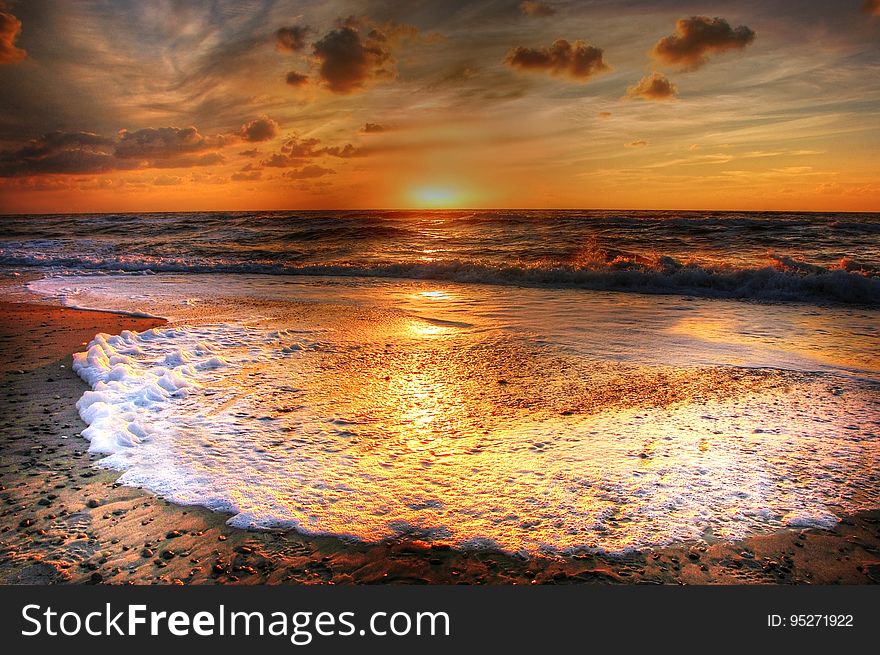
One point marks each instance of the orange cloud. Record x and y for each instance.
(653, 87)
(10, 28)
(532, 8)
(698, 36)
(296, 151)
(309, 172)
(374, 128)
(246, 176)
(580, 60)
(872, 7)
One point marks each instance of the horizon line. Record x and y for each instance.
(444, 209)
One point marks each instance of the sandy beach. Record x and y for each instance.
(66, 521)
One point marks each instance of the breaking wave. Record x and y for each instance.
(783, 278)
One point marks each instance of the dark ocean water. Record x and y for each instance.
(807, 257)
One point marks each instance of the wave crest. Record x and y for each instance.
(783, 278)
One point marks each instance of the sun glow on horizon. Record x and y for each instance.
(438, 197)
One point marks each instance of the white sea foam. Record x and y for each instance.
(316, 432)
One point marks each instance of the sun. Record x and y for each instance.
(437, 196)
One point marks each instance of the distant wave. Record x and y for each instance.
(784, 279)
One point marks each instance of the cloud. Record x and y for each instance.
(253, 152)
(296, 147)
(698, 36)
(309, 172)
(291, 39)
(580, 60)
(872, 7)
(86, 152)
(637, 144)
(532, 8)
(59, 152)
(208, 159)
(259, 129)
(168, 180)
(353, 54)
(246, 176)
(604, 114)
(347, 150)
(55, 141)
(163, 143)
(348, 61)
(10, 28)
(296, 79)
(374, 128)
(653, 87)
(296, 151)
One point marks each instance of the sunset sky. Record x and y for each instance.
(265, 104)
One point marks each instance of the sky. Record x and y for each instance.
(271, 104)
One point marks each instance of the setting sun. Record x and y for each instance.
(438, 197)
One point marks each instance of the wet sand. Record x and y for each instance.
(64, 521)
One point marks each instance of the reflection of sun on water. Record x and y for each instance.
(433, 295)
(423, 329)
(416, 421)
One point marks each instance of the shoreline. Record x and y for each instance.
(64, 520)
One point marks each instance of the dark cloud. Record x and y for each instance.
(253, 152)
(296, 147)
(653, 87)
(56, 141)
(532, 8)
(374, 128)
(348, 61)
(291, 39)
(580, 60)
(59, 152)
(64, 161)
(85, 152)
(296, 152)
(163, 143)
(280, 160)
(207, 159)
(309, 172)
(872, 7)
(246, 176)
(604, 114)
(345, 151)
(455, 76)
(259, 129)
(297, 79)
(637, 144)
(698, 36)
(168, 180)
(10, 28)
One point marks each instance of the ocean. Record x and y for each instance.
(533, 381)
(768, 256)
